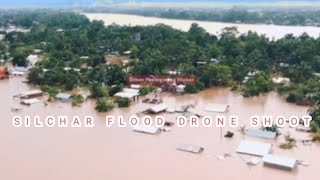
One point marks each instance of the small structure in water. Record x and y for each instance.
(30, 94)
(219, 108)
(63, 97)
(279, 162)
(157, 109)
(254, 148)
(180, 89)
(146, 129)
(30, 101)
(152, 99)
(258, 133)
(4, 75)
(19, 71)
(190, 148)
(16, 108)
(128, 93)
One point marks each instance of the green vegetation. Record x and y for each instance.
(77, 100)
(289, 144)
(146, 90)
(259, 83)
(315, 114)
(228, 60)
(104, 104)
(98, 91)
(123, 102)
(273, 128)
(52, 91)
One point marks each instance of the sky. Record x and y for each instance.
(51, 3)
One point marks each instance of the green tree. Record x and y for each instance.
(104, 104)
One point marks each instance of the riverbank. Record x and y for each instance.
(215, 28)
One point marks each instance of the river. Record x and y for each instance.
(270, 31)
(119, 153)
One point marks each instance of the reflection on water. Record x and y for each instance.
(119, 153)
(271, 31)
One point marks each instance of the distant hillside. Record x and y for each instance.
(66, 3)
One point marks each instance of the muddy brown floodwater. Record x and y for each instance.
(119, 153)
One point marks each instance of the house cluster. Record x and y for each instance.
(32, 60)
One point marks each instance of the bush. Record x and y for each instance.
(316, 137)
(77, 100)
(104, 104)
(146, 90)
(123, 102)
(314, 127)
(191, 89)
(295, 96)
(115, 89)
(229, 134)
(98, 91)
(52, 91)
(273, 128)
(287, 145)
(259, 83)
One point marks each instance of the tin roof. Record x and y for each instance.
(261, 134)
(281, 162)
(254, 148)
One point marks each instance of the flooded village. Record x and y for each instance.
(106, 149)
(141, 152)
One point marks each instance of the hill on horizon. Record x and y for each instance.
(57, 3)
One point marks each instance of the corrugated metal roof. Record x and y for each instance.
(63, 96)
(146, 129)
(280, 162)
(220, 108)
(254, 148)
(32, 92)
(30, 101)
(125, 95)
(158, 108)
(190, 148)
(261, 134)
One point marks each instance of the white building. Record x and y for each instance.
(281, 80)
(180, 88)
(33, 59)
(2, 36)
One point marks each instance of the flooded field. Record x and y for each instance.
(271, 31)
(119, 153)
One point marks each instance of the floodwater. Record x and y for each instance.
(270, 31)
(119, 153)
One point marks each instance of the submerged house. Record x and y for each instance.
(18, 70)
(33, 59)
(4, 74)
(157, 109)
(128, 93)
(190, 148)
(258, 133)
(279, 162)
(219, 108)
(254, 148)
(63, 97)
(30, 94)
(180, 88)
(152, 99)
(30, 101)
(146, 129)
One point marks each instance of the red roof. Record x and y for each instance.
(3, 73)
